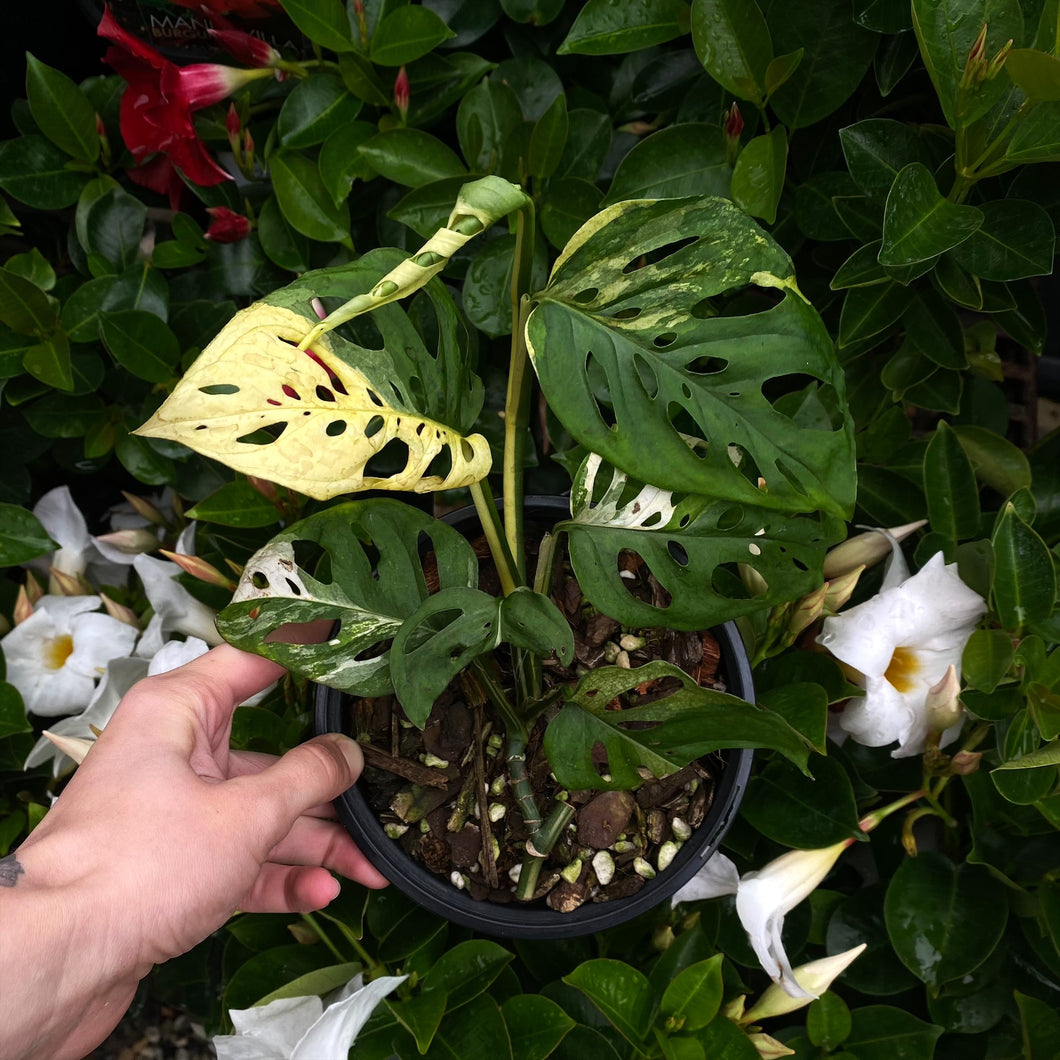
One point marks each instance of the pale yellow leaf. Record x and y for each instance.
(304, 419)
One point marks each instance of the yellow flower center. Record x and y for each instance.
(902, 669)
(57, 651)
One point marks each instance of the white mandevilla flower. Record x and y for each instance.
(815, 978)
(55, 656)
(763, 898)
(904, 642)
(302, 1028)
(121, 674)
(79, 553)
(175, 609)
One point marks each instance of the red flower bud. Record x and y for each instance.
(226, 225)
(232, 124)
(245, 47)
(733, 122)
(401, 93)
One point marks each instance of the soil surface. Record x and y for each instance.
(444, 794)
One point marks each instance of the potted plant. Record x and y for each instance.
(674, 346)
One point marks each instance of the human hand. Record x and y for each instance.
(164, 832)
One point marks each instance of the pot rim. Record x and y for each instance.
(439, 896)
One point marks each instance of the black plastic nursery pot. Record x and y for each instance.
(518, 920)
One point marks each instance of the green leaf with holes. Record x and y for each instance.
(319, 420)
(639, 343)
(358, 564)
(453, 627)
(662, 735)
(691, 545)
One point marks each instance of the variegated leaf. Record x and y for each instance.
(638, 341)
(311, 420)
(358, 564)
(692, 545)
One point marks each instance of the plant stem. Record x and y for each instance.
(482, 496)
(542, 842)
(517, 402)
(323, 936)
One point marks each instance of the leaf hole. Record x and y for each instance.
(263, 435)
(704, 309)
(391, 460)
(374, 397)
(707, 365)
(323, 393)
(659, 254)
(646, 374)
(259, 580)
(667, 338)
(291, 392)
(627, 314)
(219, 388)
(311, 557)
(335, 428)
(586, 296)
(374, 426)
(791, 478)
(730, 518)
(678, 553)
(293, 586)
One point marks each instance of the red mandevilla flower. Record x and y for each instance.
(226, 226)
(157, 106)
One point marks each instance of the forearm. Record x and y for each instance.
(64, 981)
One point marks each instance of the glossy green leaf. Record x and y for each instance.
(411, 157)
(236, 503)
(733, 44)
(836, 54)
(895, 57)
(537, 12)
(918, 222)
(405, 34)
(280, 242)
(881, 16)
(1015, 241)
(780, 69)
(1024, 583)
(997, 462)
(934, 329)
(950, 486)
(620, 992)
(371, 610)
(722, 1039)
(868, 311)
(341, 162)
(548, 139)
(877, 149)
(61, 110)
(677, 729)
(22, 537)
(536, 1025)
(565, 207)
(316, 107)
(758, 176)
(602, 28)
(466, 970)
(487, 293)
(24, 307)
(305, 202)
(142, 343)
(803, 703)
(1041, 1028)
(828, 1021)
(50, 362)
(13, 718)
(474, 1032)
(322, 21)
(144, 462)
(676, 161)
(1036, 138)
(486, 117)
(694, 996)
(426, 209)
(33, 170)
(881, 1032)
(271, 970)
(858, 918)
(318, 981)
(815, 210)
(943, 919)
(799, 811)
(111, 224)
(1037, 73)
(1025, 319)
(946, 31)
(648, 329)
(987, 657)
(588, 141)
(421, 1015)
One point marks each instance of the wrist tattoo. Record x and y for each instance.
(10, 870)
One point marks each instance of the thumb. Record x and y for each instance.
(315, 772)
